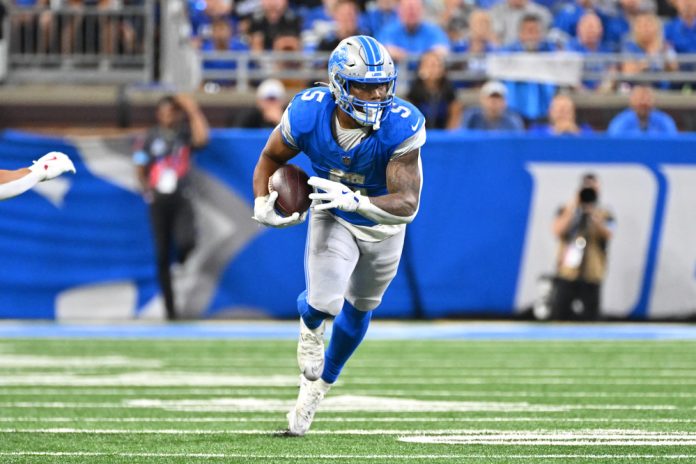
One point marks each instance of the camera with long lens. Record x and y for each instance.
(588, 195)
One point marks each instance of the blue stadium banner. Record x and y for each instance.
(81, 247)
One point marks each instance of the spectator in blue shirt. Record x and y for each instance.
(508, 15)
(530, 99)
(642, 117)
(589, 41)
(562, 119)
(345, 24)
(222, 40)
(493, 114)
(480, 38)
(412, 34)
(681, 31)
(478, 41)
(378, 15)
(648, 52)
(566, 21)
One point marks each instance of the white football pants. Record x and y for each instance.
(338, 266)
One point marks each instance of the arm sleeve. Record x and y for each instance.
(18, 186)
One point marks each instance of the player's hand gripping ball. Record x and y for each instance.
(293, 191)
(288, 200)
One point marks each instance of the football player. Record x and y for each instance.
(53, 164)
(364, 144)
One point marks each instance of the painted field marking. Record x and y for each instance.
(357, 457)
(340, 403)
(466, 436)
(54, 362)
(128, 390)
(345, 419)
(171, 378)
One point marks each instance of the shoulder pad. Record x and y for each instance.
(403, 121)
(307, 106)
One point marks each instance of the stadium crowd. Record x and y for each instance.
(437, 31)
(638, 37)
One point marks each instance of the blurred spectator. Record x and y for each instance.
(273, 21)
(478, 41)
(589, 41)
(202, 13)
(291, 44)
(221, 40)
(507, 18)
(648, 51)
(412, 34)
(379, 14)
(162, 161)
(480, 38)
(454, 10)
(434, 95)
(345, 16)
(531, 99)
(681, 31)
(565, 22)
(493, 114)
(33, 31)
(270, 104)
(317, 23)
(562, 119)
(642, 117)
(617, 26)
(584, 229)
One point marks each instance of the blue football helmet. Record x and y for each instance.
(361, 59)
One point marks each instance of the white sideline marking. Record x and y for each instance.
(466, 436)
(305, 457)
(571, 438)
(31, 361)
(150, 378)
(344, 419)
(341, 403)
(276, 391)
(200, 379)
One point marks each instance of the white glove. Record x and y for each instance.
(265, 213)
(52, 165)
(336, 195)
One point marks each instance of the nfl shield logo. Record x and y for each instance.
(346, 160)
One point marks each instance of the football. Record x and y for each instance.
(293, 192)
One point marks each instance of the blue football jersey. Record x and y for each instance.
(364, 167)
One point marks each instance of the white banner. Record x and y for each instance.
(561, 68)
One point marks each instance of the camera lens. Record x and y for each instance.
(588, 195)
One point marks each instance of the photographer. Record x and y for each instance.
(584, 230)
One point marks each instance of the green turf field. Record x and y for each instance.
(174, 401)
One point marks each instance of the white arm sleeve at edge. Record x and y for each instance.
(378, 215)
(18, 186)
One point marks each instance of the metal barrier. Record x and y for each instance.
(81, 45)
(245, 69)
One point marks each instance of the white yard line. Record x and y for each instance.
(128, 390)
(171, 378)
(340, 403)
(358, 457)
(605, 420)
(626, 436)
(55, 362)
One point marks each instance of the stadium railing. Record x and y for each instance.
(81, 45)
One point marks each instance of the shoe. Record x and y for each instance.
(310, 351)
(301, 416)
